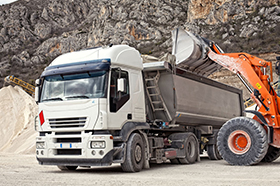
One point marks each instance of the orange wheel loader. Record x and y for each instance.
(241, 140)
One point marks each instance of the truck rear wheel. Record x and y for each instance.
(242, 141)
(135, 154)
(212, 149)
(213, 152)
(272, 154)
(67, 168)
(190, 147)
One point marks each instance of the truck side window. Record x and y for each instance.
(118, 99)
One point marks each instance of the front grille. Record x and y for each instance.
(68, 152)
(68, 122)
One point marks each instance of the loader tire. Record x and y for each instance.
(191, 150)
(272, 154)
(242, 141)
(135, 154)
(67, 168)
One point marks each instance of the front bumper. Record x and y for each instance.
(74, 150)
(105, 161)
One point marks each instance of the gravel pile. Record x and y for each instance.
(17, 112)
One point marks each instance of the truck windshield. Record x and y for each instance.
(74, 86)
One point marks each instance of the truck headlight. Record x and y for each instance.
(97, 144)
(40, 145)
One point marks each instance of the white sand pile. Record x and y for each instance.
(17, 112)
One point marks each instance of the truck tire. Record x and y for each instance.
(272, 154)
(213, 153)
(212, 149)
(67, 168)
(242, 141)
(190, 147)
(135, 154)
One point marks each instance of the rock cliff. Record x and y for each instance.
(34, 32)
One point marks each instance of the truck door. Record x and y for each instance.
(119, 101)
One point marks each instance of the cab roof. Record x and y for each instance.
(119, 55)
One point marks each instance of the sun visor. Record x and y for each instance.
(85, 66)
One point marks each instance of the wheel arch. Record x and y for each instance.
(262, 119)
(132, 127)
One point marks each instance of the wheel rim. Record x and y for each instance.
(239, 142)
(138, 153)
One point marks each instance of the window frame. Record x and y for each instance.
(118, 99)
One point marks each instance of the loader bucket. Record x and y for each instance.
(191, 53)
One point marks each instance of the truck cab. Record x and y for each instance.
(84, 99)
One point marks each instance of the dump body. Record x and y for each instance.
(203, 101)
(194, 100)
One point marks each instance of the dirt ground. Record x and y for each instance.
(24, 170)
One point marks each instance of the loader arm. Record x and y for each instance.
(252, 72)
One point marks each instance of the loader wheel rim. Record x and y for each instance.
(138, 153)
(239, 142)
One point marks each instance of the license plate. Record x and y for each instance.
(65, 145)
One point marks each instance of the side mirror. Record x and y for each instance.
(37, 93)
(122, 85)
(38, 82)
(37, 90)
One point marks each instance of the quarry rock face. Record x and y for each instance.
(33, 33)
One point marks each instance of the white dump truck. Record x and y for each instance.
(103, 105)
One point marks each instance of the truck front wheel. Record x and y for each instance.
(135, 154)
(242, 141)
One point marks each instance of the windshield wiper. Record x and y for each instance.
(79, 96)
(53, 99)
